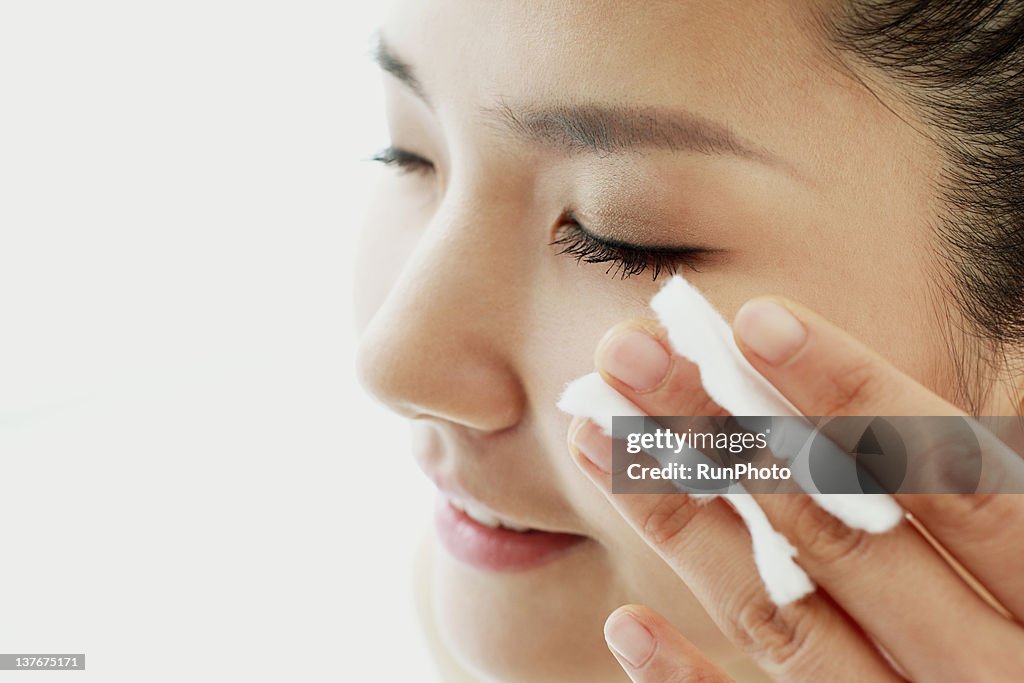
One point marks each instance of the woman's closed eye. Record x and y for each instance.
(404, 160)
(625, 259)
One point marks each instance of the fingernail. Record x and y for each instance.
(636, 359)
(769, 330)
(594, 445)
(629, 638)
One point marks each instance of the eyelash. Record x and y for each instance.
(625, 260)
(404, 160)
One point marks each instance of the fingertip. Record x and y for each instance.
(575, 425)
(648, 326)
(769, 328)
(649, 648)
(591, 445)
(629, 637)
(634, 354)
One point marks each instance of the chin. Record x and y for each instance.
(537, 625)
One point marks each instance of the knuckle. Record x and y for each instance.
(824, 538)
(688, 674)
(972, 504)
(850, 388)
(663, 524)
(683, 393)
(771, 634)
(961, 512)
(948, 465)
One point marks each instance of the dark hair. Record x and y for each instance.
(960, 64)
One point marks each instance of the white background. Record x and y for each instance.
(180, 192)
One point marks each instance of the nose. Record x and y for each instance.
(442, 343)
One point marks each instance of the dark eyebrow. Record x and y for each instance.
(602, 130)
(390, 62)
(608, 130)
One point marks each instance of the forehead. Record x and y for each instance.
(757, 67)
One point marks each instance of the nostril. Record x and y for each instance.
(455, 379)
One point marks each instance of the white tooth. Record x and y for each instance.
(514, 527)
(480, 515)
(457, 504)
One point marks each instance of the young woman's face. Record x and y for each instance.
(727, 128)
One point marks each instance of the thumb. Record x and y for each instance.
(821, 369)
(651, 650)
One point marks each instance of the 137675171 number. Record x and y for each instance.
(9, 662)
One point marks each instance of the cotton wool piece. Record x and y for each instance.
(698, 332)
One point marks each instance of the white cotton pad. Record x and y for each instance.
(698, 333)
(874, 513)
(589, 397)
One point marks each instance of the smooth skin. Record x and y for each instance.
(894, 590)
(800, 181)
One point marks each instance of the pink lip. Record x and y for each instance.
(498, 549)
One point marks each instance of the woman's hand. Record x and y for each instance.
(893, 589)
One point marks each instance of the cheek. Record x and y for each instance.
(896, 315)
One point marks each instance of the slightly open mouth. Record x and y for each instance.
(481, 539)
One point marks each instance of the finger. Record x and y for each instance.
(892, 584)
(709, 548)
(635, 359)
(651, 651)
(982, 531)
(824, 371)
